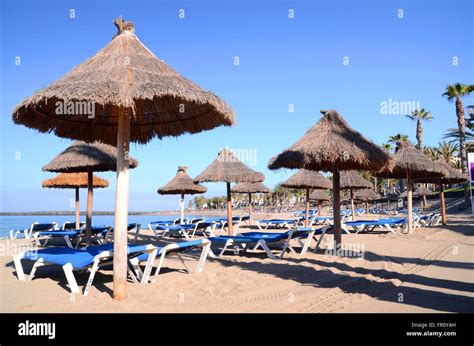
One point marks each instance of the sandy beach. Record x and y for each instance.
(430, 270)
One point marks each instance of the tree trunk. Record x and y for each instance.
(89, 207)
(336, 205)
(121, 206)
(250, 208)
(307, 208)
(229, 210)
(443, 203)
(419, 134)
(462, 149)
(77, 209)
(409, 198)
(181, 207)
(352, 205)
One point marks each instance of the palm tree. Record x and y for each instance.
(455, 92)
(418, 115)
(447, 150)
(452, 135)
(387, 147)
(399, 137)
(470, 120)
(432, 152)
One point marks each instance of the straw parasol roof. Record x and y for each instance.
(181, 184)
(352, 180)
(250, 188)
(331, 144)
(453, 176)
(81, 157)
(319, 195)
(124, 74)
(366, 195)
(418, 192)
(306, 179)
(408, 158)
(227, 168)
(423, 191)
(73, 180)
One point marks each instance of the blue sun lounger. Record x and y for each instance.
(253, 240)
(188, 232)
(370, 225)
(35, 227)
(97, 256)
(99, 232)
(75, 259)
(277, 223)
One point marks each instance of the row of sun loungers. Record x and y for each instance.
(274, 244)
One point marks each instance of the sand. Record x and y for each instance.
(430, 270)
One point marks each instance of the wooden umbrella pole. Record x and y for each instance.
(307, 208)
(319, 207)
(409, 202)
(367, 206)
(443, 203)
(229, 210)
(89, 207)
(181, 206)
(121, 207)
(250, 208)
(352, 205)
(336, 205)
(77, 208)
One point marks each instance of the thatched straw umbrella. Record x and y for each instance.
(352, 180)
(366, 195)
(227, 168)
(423, 192)
(319, 196)
(123, 93)
(453, 177)
(81, 157)
(250, 188)
(74, 181)
(306, 179)
(390, 196)
(410, 163)
(182, 184)
(331, 145)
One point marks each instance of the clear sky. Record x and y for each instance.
(345, 55)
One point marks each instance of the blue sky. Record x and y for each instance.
(283, 61)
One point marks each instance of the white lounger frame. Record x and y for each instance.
(170, 250)
(29, 231)
(37, 237)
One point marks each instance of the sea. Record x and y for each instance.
(21, 222)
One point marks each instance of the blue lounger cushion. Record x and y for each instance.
(62, 256)
(72, 233)
(78, 258)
